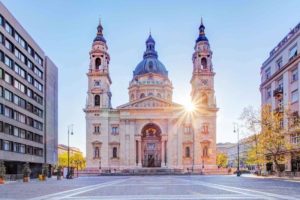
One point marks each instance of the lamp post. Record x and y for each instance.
(69, 132)
(236, 130)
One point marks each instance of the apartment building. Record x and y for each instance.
(28, 99)
(280, 88)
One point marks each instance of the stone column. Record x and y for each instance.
(139, 153)
(163, 164)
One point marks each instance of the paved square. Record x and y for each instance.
(154, 188)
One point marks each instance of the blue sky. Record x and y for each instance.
(241, 35)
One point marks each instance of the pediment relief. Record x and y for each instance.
(148, 102)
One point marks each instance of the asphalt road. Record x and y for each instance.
(153, 187)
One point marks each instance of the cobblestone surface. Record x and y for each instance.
(154, 187)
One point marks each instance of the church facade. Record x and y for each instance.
(150, 131)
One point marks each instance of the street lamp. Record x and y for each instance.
(69, 132)
(236, 130)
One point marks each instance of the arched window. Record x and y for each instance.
(96, 152)
(115, 152)
(132, 97)
(205, 152)
(204, 63)
(204, 99)
(97, 63)
(97, 100)
(142, 95)
(187, 152)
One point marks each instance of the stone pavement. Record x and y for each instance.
(153, 188)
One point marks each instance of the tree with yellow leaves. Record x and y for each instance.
(269, 143)
(76, 160)
(222, 160)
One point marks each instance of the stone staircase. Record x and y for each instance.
(150, 171)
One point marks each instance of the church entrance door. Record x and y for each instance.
(151, 146)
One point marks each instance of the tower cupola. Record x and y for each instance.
(202, 36)
(99, 36)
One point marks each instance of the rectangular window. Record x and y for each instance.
(114, 130)
(16, 131)
(8, 62)
(29, 93)
(96, 129)
(268, 73)
(279, 63)
(19, 86)
(205, 128)
(1, 126)
(38, 85)
(8, 112)
(295, 75)
(293, 52)
(22, 148)
(1, 38)
(29, 50)
(187, 129)
(268, 93)
(19, 70)
(29, 64)
(38, 59)
(8, 95)
(38, 98)
(20, 40)
(8, 129)
(294, 96)
(1, 73)
(19, 55)
(8, 78)
(295, 138)
(6, 145)
(38, 72)
(280, 83)
(8, 28)
(29, 78)
(22, 133)
(8, 45)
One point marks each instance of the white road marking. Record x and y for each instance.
(69, 193)
(293, 181)
(162, 197)
(244, 191)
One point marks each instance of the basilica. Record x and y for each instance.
(150, 130)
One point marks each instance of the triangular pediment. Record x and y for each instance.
(149, 102)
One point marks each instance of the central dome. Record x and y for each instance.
(150, 63)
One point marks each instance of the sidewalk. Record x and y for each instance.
(271, 177)
(53, 178)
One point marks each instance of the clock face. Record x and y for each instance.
(204, 82)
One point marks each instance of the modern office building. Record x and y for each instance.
(28, 99)
(280, 88)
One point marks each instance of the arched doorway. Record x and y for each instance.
(151, 146)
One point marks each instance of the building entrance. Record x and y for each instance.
(151, 146)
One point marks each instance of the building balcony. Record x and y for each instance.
(278, 92)
(279, 109)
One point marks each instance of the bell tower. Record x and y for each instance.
(99, 81)
(202, 81)
(203, 97)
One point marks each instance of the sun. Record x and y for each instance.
(189, 106)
